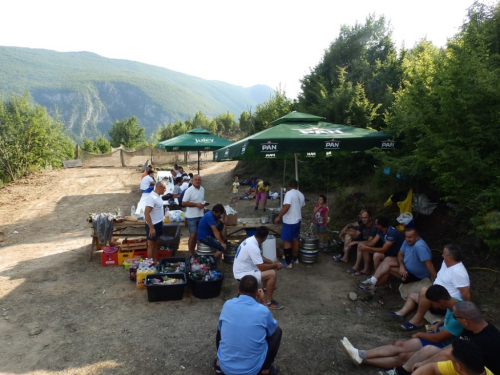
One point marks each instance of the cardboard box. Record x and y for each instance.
(232, 220)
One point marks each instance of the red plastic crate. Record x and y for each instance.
(164, 254)
(109, 256)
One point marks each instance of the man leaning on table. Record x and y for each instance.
(154, 218)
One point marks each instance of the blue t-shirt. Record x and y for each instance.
(414, 257)
(244, 325)
(452, 326)
(392, 235)
(204, 226)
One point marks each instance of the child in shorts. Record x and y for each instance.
(235, 189)
(320, 213)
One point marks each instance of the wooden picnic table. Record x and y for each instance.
(233, 231)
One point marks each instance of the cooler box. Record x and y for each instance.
(166, 261)
(206, 289)
(168, 292)
(109, 256)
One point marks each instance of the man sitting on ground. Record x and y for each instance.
(212, 231)
(466, 359)
(364, 234)
(452, 275)
(476, 330)
(148, 183)
(443, 333)
(248, 336)
(249, 261)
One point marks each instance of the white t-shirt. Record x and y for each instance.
(145, 182)
(296, 201)
(184, 186)
(155, 201)
(194, 195)
(246, 259)
(452, 278)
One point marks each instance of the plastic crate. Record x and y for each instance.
(169, 292)
(109, 256)
(171, 260)
(206, 289)
(164, 254)
(141, 253)
(124, 254)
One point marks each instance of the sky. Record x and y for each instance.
(245, 43)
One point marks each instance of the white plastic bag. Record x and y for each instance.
(405, 218)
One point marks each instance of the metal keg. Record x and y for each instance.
(205, 249)
(309, 249)
(230, 253)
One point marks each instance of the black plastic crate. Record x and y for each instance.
(164, 261)
(169, 292)
(206, 289)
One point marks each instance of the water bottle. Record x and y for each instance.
(132, 210)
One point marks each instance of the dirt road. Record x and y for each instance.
(61, 314)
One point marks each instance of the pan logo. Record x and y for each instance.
(388, 145)
(243, 149)
(175, 148)
(332, 145)
(269, 146)
(270, 156)
(203, 140)
(216, 156)
(319, 131)
(226, 153)
(311, 155)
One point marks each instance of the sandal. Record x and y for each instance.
(217, 369)
(351, 271)
(361, 273)
(407, 327)
(338, 258)
(394, 316)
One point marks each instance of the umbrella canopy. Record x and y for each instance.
(194, 140)
(304, 134)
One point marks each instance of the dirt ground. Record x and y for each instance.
(61, 314)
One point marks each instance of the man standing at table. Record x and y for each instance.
(194, 200)
(154, 218)
(292, 217)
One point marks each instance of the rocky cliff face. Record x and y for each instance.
(91, 111)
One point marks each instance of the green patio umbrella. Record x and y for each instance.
(304, 134)
(194, 140)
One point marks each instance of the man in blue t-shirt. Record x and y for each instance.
(212, 231)
(248, 336)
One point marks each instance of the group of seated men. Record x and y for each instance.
(445, 293)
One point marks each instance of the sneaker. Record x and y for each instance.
(273, 305)
(351, 351)
(389, 372)
(264, 210)
(366, 282)
(256, 208)
(274, 370)
(296, 261)
(367, 286)
(284, 264)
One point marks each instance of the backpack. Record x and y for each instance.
(181, 197)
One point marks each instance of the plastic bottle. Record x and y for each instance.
(132, 210)
(141, 215)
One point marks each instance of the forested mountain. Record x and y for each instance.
(90, 92)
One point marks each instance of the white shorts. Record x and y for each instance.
(255, 273)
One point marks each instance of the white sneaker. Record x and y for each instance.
(388, 372)
(351, 351)
(296, 261)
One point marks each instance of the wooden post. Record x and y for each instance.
(77, 154)
(121, 158)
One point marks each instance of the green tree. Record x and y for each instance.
(245, 122)
(225, 123)
(127, 133)
(102, 145)
(277, 106)
(29, 138)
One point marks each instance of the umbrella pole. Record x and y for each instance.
(198, 152)
(297, 167)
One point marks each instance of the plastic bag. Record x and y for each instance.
(405, 218)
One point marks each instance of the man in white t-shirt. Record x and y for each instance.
(249, 261)
(292, 217)
(148, 182)
(185, 183)
(452, 275)
(194, 200)
(154, 218)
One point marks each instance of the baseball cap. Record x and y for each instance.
(186, 178)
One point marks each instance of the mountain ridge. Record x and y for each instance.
(90, 92)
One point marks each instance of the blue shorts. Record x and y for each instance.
(319, 228)
(290, 231)
(436, 344)
(158, 229)
(193, 224)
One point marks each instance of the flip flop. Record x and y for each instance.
(394, 316)
(361, 273)
(351, 271)
(407, 327)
